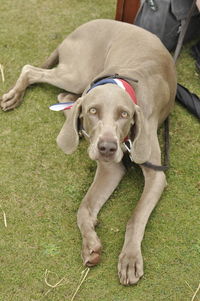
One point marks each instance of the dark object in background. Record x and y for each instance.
(174, 22)
(196, 54)
(166, 19)
(190, 100)
(127, 10)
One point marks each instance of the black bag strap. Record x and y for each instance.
(184, 27)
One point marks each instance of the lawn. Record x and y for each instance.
(41, 187)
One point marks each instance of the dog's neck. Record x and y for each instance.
(120, 81)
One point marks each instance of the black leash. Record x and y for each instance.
(128, 163)
(184, 26)
(165, 166)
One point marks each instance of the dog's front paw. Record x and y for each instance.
(91, 251)
(130, 267)
(10, 100)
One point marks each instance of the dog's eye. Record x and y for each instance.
(124, 114)
(93, 111)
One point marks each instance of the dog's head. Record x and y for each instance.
(108, 115)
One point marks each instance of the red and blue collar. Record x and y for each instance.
(116, 81)
(122, 83)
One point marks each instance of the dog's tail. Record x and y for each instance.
(51, 61)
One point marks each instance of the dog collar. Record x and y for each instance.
(116, 81)
(61, 106)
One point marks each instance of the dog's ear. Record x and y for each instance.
(68, 138)
(141, 147)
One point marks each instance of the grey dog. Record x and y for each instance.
(108, 53)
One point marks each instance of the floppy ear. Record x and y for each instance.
(141, 147)
(68, 138)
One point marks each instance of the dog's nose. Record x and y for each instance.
(107, 148)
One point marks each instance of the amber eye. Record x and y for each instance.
(124, 114)
(93, 111)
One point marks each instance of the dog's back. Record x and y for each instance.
(115, 43)
(102, 47)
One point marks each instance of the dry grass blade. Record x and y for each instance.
(198, 288)
(194, 292)
(2, 73)
(52, 286)
(4, 218)
(82, 279)
(189, 286)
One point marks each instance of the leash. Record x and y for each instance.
(128, 162)
(165, 166)
(184, 26)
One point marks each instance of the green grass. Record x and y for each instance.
(41, 188)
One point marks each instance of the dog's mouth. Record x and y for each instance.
(106, 158)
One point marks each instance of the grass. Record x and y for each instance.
(41, 188)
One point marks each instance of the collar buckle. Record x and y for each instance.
(128, 145)
(82, 132)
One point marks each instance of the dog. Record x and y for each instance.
(121, 82)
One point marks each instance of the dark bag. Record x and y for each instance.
(174, 21)
(165, 19)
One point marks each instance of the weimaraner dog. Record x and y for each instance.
(124, 81)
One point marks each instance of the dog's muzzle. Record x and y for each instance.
(107, 148)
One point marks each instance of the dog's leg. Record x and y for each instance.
(31, 75)
(65, 97)
(130, 267)
(107, 177)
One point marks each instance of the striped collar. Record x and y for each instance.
(109, 79)
(116, 81)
